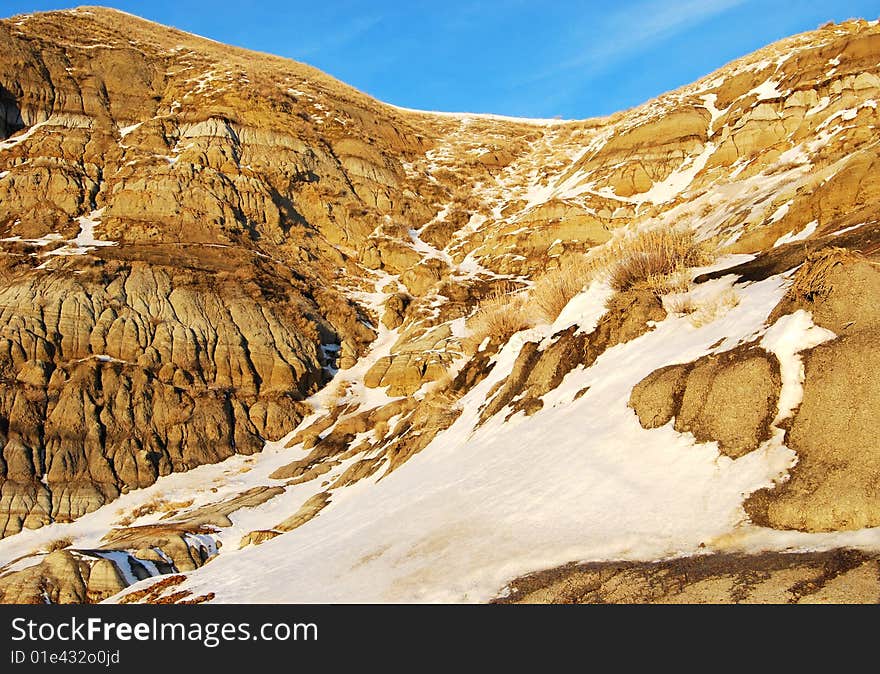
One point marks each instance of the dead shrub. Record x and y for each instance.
(664, 284)
(654, 258)
(681, 305)
(59, 544)
(703, 311)
(714, 308)
(338, 393)
(154, 505)
(380, 430)
(499, 316)
(554, 290)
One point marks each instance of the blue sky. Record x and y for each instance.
(568, 58)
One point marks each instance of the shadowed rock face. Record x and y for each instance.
(111, 382)
(191, 330)
(838, 576)
(184, 225)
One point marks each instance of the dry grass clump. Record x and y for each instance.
(702, 312)
(714, 309)
(380, 430)
(554, 290)
(678, 281)
(683, 305)
(152, 593)
(59, 544)
(155, 505)
(442, 407)
(812, 279)
(500, 315)
(142, 510)
(655, 259)
(338, 393)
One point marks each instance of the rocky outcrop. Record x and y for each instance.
(538, 371)
(76, 576)
(60, 578)
(395, 308)
(172, 244)
(110, 385)
(307, 511)
(415, 360)
(834, 431)
(216, 515)
(105, 580)
(173, 547)
(257, 537)
(730, 398)
(834, 577)
(195, 238)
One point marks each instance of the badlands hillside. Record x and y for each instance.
(266, 339)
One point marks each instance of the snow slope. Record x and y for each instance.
(578, 480)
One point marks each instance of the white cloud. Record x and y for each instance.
(633, 29)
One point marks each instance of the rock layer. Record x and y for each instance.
(109, 386)
(835, 577)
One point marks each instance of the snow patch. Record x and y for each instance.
(849, 229)
(785, 339)
(584, 309)
(580, 479)
(85, 240)
(123, 561)
(679, 179)
(709, 104)
(806, 232)
(52, 237)
(469, 116)
(767, 90)
(780, 212)
(823, 103)
(15, 140)
(125, 130)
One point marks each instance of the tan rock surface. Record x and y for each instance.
(729, 397)
(59, 578)
(836, 576)
(834, 431)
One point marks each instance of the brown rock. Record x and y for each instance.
(60, 578)
(104, 581)
(835, 428)
(729, 397)
(307, 511)
(834, 576)
(257, 537)
(538, 372)
(395, 307)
